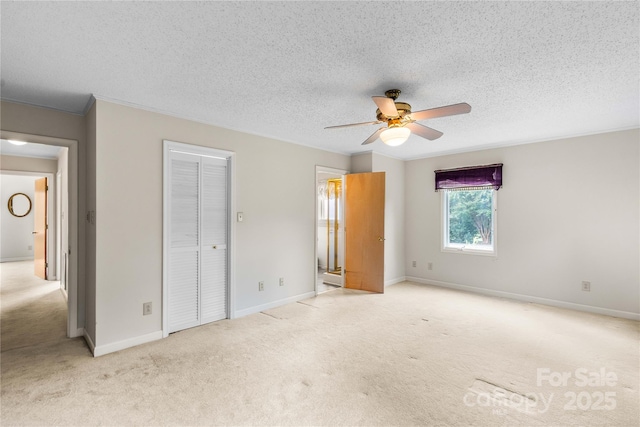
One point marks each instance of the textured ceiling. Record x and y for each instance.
(531, 71)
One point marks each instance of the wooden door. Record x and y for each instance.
(364, 230)
(40, 228)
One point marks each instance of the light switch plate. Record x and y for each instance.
(240, 216)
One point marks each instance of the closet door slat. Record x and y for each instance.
(184, 280)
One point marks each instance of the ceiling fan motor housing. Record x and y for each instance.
(403, 108)
(393, 93)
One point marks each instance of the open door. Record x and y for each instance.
(364, 230)
(40, 229)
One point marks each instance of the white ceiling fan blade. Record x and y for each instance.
(449, 110)
(373, 137)
(354, 124)
(386, 105)
(424, 131)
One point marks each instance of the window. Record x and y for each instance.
(469, 214)
(469, 221)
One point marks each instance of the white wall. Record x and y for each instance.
(394, 228)
(361, 163)
(17, 240)
(275, 188)
(568, 212)
(28, 164)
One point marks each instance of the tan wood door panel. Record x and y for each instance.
(364, 231)
(40, 228)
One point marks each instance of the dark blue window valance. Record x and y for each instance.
(470, 178)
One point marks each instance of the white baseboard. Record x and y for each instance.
(394, 281)
(274, 304)
(121, 345)
(17, 259)
(528, 298)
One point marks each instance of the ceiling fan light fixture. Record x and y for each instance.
(395, 136)
(401, 121)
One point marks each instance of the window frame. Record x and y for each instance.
(446, 246)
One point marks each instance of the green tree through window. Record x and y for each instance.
(470, 218)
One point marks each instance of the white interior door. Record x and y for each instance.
(184, 252)
(197, 247)
(214, 240)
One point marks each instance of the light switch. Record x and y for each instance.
(240, 216)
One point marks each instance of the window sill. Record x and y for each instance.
(470, 251)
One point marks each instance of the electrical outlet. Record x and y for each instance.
(413, 263)
(586, 286)
(282, 281)
(430, 266)
(261, 286)
(146, 309)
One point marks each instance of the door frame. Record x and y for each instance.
(75, 229)
(335, 171)
(198, 150)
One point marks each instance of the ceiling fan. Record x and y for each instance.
(401, 122)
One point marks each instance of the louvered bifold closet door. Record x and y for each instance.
(214, 240)
(184, 258)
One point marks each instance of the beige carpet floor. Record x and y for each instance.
(33, 310)
(417, 355)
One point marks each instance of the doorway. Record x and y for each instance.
(25, 236)
(47, 157)
(330, 236)
(349, 230)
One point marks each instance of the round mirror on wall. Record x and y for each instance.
(19, 205)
